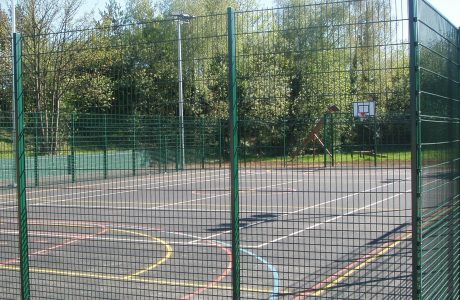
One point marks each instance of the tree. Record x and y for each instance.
(5, 63)
(48, 58)
(204, 7)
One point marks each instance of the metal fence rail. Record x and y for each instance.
(436, 92)
(268, 188)
(326, 207)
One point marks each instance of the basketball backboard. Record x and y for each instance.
(363, 109)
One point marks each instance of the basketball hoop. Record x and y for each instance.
(363, 115)
(363, 110)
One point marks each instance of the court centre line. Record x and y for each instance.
(102, 183)
(122, 205)
(165, 205)
(277, 218)
(327, 221)
(92, 191)
(155, 208)
(208, 179)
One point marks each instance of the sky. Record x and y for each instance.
(449, 8)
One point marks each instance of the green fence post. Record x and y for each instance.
(160, 158)
(21, 167)
(105, 147)
(284, 144)
(375, 141)
(36, 150)
(160, 155)
(458, 135)
(416, 176)
(324, 140)
(233, 118)
(166, 145)
(202, 143)
(220, 143)
(245, 145)
(134, 147)
(72, 149)
(177, 147)
(331, 137)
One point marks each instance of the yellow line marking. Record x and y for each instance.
(133, 279)
(169, 252)
(368, 261)
(374, 257)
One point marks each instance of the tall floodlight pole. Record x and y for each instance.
(13, 102)
(181, 18)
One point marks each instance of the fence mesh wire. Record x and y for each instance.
(9, 278)
(325, 201)
(118, 208)
(438, 97)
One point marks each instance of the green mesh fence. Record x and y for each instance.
(10, 286)
(437, 95)
(325, 201)
(269, 187)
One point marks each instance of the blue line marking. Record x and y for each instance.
(276, 281)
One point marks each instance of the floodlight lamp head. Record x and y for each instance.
(182, 16)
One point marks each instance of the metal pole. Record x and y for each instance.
(36, 150)
(234, 142)
(220, 143)
(202, 143)
(325, 140)
(133, 156)
(416, 174)
(105, 162)
(20, 150)
(13, 104)
(72, 150)
(181, 95)
(375, 140)
(284, 144)
(332, 128)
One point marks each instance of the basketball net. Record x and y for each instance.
(363, 115)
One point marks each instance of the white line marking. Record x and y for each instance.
(46, 204)
(325, 222)
(279, 217)
(50, 234)
(80, 196)
(76, 187)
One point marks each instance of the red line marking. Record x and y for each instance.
(57, 246)
(217, 279)
(319, 286)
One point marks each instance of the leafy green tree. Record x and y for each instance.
(5, 63)
(48, 58)
(90, 93)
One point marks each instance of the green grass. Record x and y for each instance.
(390, 156)
(6, 149)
